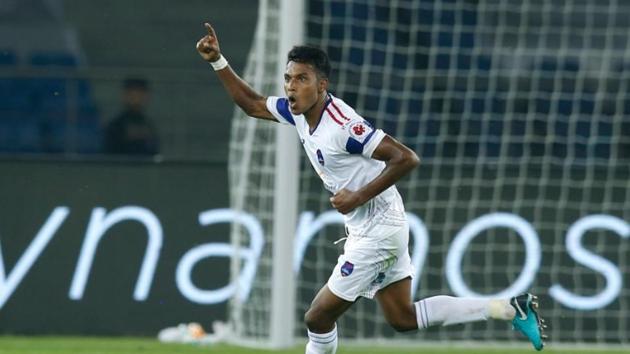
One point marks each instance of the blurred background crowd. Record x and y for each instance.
(86, 79)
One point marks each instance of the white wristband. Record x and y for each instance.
(220, 63)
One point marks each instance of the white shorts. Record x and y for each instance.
(371, 262)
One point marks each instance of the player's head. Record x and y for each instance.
(306, 77)
(313, 56)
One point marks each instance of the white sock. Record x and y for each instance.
(325, 343)
(447, 310)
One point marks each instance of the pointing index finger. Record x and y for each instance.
(210, 29)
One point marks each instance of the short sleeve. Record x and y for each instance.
(362, 138)
(279, 108)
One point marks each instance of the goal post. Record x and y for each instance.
(287, 176)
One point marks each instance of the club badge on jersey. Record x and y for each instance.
(357, 129)
(360, 132)
(346, 269)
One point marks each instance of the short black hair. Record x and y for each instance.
(311, 55)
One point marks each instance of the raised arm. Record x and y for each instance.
(242, 94)
(399, 161)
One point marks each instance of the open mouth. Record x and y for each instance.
(292, 102)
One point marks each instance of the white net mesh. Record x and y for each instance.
(514, 106)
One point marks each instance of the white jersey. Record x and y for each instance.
(340, 148)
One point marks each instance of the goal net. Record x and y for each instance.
(519, 112)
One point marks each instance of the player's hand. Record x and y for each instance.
(208, 46)
(345, 201)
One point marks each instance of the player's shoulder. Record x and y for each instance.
(352, 121)
(343, 109)
(341, 113)
(279, 108)
(349, 125)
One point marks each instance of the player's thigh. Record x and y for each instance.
(395, 297)
(325, 309)
(395, 301)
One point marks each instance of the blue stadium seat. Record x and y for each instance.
(19, 132)
(15, 94)
(54, 59)
(34, 114)
(90, 135)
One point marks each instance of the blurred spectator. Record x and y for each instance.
(132, 132)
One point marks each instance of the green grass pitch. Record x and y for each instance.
(127, 345)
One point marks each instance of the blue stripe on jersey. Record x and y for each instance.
(283, 108)
(353, 146)
(369, 136)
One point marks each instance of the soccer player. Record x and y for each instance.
(359, 165)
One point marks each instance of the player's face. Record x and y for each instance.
(302, 87)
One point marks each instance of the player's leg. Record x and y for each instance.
(445, 310)
(403, 315)
(352, 277)
(395, 301)
(324, 311)
(394, 296)
(320, 321)
(521, 310)
(442, 310)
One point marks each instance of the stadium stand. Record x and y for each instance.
(45, 105)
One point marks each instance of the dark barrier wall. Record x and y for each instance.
(133, 247)
(48, 207)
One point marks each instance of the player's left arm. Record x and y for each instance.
(399, 160)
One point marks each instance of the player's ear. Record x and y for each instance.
(322, 85)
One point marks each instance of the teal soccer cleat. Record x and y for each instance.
(527, 320)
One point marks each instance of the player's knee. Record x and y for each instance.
(403, 321)
(311, 319)
(317, 320)
(401, 318)
(403, 326)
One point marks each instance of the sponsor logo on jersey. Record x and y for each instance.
(346, 269)
(320, 157)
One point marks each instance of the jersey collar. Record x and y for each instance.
(328, 100)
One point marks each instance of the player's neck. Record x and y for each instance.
(315, 112)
